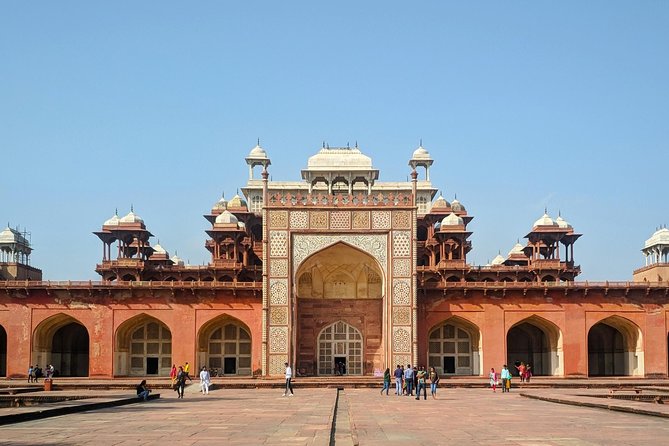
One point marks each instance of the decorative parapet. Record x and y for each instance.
(339, 200)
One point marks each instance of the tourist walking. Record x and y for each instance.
(408, 379)
(173, 373)
(506, 379)
(143, 391)
(289, 378)
(434, 380)
(187, 370)
(30, 374)
(493, 379)
(521, 371)
(205, 380)
(181, 381)
(398, 380)
(386, 381)
(421, 384)
(528, 373)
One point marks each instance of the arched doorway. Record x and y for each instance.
(344, 286)
(69, 350)
(537, 342)
(340, 344)
(225, 345)
(143, 347)
(3, 351)
(62, 341)
(615, 348)
(454, 348)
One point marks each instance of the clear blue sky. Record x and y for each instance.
(523, 105)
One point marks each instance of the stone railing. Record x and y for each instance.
(340, 199)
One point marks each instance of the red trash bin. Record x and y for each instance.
(47, 385)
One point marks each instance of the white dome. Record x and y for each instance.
(498, 260)
(545, 220)
(562, 223)
(257, 152)
(131, 218)
(517, 250)
(440, 203)
(177, 260)
(452, 220)
(457, 206)
(159, 249)
(659, 237)
(421, 154)
(226, 218)
(114, 221)
(237, 202)
(337, 159)
(220, 205)
(9, 235)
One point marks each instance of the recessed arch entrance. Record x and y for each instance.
(62, 341)
(143, 347)
(340, 350)
(224, 344)
(3, 351)
(455, 347)
(339, 312)
(615, 348)
(537, 342)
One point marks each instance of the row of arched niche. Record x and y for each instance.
(143, 347)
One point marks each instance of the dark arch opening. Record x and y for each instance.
(3, 351)
(528, 344)
(606, 351)
(69, 350)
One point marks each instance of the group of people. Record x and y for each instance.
(503, 379)
(35, 373)
(406, 380)
(179, 377)
(524, 371)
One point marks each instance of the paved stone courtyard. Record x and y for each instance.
(264, 417)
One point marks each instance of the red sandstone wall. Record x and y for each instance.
(364, 314)
(183, 315)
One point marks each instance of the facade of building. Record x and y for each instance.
(337, 268)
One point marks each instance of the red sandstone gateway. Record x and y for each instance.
(336, 273)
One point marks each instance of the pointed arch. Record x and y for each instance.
(340, 343)
(340, 270)
(62, 341)
(615, 348)
(455, 347)
(224, 344)
(142, 346)
(536, 341)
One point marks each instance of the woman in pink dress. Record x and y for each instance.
(493, 379)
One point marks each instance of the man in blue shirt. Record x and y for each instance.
(408, 378)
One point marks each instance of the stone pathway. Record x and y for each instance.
(263, 417)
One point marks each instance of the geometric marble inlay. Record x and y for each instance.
(402, 267)
(401, 243)
(401, 292)
(340, 220)
(401, 340)
(299, 220)
(278, 267)
(278, 243)
(278, 291)
(381, 220)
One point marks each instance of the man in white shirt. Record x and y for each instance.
(289, 377)
(205, 379)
